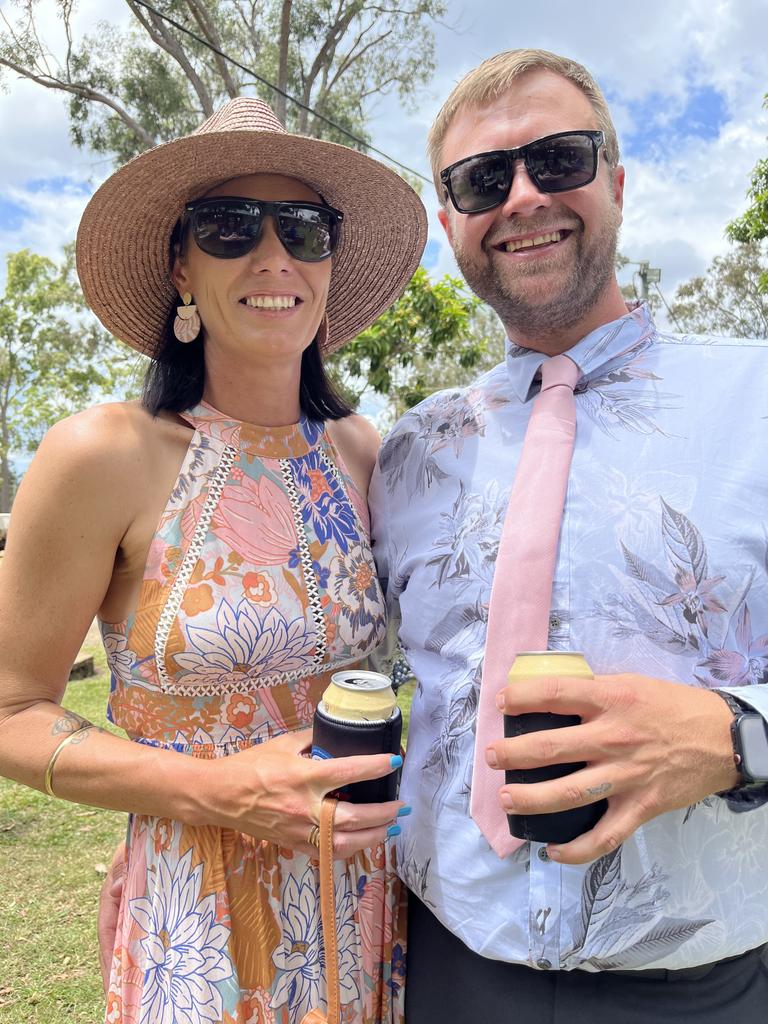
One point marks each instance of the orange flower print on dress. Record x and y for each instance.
(257, 1009)
(259, 588)
(114, 1009)
(240, 709)
(197, 600)
(318, 485)
(162, 834)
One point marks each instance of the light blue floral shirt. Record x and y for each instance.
(662, 569)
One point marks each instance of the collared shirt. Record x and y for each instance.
(662, 569)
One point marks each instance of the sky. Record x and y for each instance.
(685, 83)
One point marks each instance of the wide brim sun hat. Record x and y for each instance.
(124, 236)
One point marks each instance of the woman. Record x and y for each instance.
(219, 531)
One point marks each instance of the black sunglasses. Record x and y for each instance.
(556, 163)
(228, 227)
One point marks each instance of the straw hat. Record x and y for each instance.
(124, 235)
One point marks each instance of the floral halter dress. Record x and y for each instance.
(259, 583)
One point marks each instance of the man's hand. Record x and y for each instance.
(649, 745)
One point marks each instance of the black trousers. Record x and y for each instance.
(449, 984)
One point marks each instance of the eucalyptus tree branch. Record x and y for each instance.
(164, 38)
(87, 93)
(209, 30)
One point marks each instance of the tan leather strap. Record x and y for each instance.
(328, 917)
(328, 910)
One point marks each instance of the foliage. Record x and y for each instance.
(752, 226)
(427, 340)
(728, 299)
(54, 358)
(131, 89)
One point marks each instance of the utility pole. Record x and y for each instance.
(648, 275)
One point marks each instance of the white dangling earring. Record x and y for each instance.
(186, 326)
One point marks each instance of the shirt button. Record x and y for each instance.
(542, 854)
(543, 965)
(554, 622)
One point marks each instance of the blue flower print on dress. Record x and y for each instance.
(247, 643)
(324, 503)
(185, 948)
(311, 429)
(300, 960)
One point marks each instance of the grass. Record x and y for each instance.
(53, 858)
(52, 863)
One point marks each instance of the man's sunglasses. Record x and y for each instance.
(230, 226)
(556, 163)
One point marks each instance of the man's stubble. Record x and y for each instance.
(528, 312)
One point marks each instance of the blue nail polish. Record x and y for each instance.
(395, 761)
(393, 830)
(404, 811)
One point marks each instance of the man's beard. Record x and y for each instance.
(528, 312)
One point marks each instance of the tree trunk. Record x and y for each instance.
(282, 69)
(5, 468)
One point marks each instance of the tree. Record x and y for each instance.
(752, 226)
(54, 357)
(132, 89)
(728, 299)
(436, 335)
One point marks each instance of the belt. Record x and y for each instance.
(687, 973)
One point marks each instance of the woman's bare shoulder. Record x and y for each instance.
(356, 431)
(107, 434)
(357, 441)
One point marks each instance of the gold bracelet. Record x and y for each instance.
(48, 779)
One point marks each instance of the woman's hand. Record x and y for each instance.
(272, 792)
(109, 908)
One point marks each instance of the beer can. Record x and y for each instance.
(358, 696)
(538, 664)
(559, 826)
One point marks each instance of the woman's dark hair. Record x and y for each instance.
(175, 377)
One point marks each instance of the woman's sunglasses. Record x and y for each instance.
(556, 163)
(230, 226)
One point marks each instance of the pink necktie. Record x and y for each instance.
(518, 616)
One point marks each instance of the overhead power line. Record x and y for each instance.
(666, 305)
(277, 89)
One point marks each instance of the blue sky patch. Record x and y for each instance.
(659, 122)
(60, 184)
(11, 215)
(431, 254)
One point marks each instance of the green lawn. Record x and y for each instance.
(52, 862)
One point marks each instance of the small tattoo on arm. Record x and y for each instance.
(72, 723)
(69, 723)
(600, 790)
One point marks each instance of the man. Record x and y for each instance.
(660, 579)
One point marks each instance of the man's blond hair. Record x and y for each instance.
(495, 76)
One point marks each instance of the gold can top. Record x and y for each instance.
(550, 663)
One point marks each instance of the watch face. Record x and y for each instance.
(753, 740)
